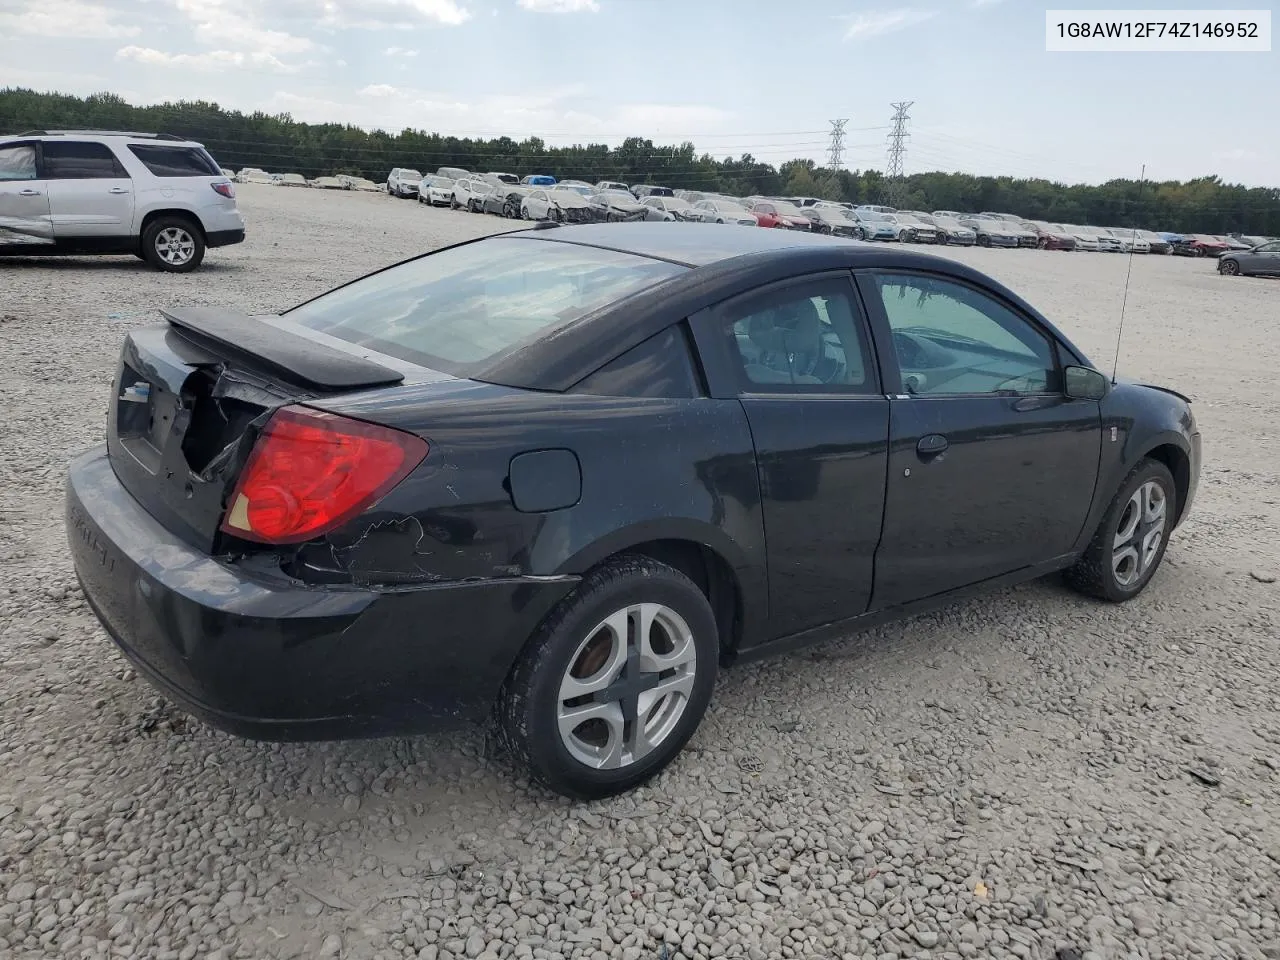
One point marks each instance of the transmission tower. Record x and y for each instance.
(897, 151)
(835, 152)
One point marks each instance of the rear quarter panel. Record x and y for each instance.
(651, 469)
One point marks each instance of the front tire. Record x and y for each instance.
(173, 244)
(615, 681)
(1130, 541)
(1229, 268)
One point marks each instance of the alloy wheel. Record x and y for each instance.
(175, 246)
(627, 686)
(1139, 533)
(1229, 268)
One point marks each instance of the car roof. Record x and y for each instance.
(723, 261)
(101, 135)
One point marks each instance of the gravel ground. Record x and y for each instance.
(1010, 777)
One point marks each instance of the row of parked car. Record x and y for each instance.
(341, 182)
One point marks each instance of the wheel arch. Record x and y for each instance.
(1178, 460)
(188, 215)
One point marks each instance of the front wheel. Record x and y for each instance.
(859, 233)
(1130, 541)
(1229, 268)
(173, 244)
(614, 682)
(984, 241)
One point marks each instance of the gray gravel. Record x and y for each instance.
(1008, 778)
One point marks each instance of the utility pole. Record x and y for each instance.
(835, 152)
(897, 151)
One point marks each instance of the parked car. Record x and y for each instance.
(724, 211)
(692, 196)
(642, 190)
(953, 214)
(1007, 217)
(1050, 236)
(780, 213)
(1155, 241)
(422, 519)
(869, 225)
(358, 183)
(1235, 243)
(836, 221)
(950, 230)
(1199, 245)
(538, 180)
(911, 230)
(669, 208)
(1107, 241)
(1085, 238)
(618, 205)
(509, 178)
(469, 193)
(328, 183)
(1252, 242)
(1131, 240)
(453, 173)
(560, 204)
(874, 208)
(403, 182)
(604, 185)
(253, 175)
(1260, 261)
(160, 198)
(436, 191)
(292, 180)
(504, 200)
(990, 232)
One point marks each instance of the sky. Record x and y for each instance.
(732, 76)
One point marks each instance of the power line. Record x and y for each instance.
(897, 150)
(835, 152)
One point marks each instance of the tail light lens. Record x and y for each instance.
(312, 471)
(225, 188)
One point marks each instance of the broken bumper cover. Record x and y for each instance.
(280, 660)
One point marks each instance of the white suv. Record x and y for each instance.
(403, 182)
(159, 197)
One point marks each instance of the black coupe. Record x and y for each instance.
(560, 476)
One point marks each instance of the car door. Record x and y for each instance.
(24, 198)
(90, 192)
(1263, 260)
(797, 355)
(991, 466)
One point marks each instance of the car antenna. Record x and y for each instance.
(1133, 236)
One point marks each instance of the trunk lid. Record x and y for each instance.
(190, 398)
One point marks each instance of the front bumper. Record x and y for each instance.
(264, 656)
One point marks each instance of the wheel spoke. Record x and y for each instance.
(1129, 520)
(672, 629)
(616, 628)
(681, 683)
(606, 754)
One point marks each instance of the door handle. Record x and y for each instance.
(118, 190)
(28, 193)
(931, 446)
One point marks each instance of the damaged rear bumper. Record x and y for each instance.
(273, 658)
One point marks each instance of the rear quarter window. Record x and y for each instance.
(661, 366)
(176, 161)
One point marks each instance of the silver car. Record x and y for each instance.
(724, 211)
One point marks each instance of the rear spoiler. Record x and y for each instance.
(291, 355)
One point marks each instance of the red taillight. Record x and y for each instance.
(312, 471)
(225, 188)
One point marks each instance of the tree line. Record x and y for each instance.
(278, 142)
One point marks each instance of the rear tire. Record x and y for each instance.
(1129, 544)
(173, 244)
(632, 623)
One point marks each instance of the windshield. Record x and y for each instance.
(617, 196)
(787, 209)
(574, 188)
(410, 175)
(458, 309)
(675, 203)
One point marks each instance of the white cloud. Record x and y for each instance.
(64, 19)
(560, 6)
(874, 23)
(379, 90)
(1235, 155)
(212, 61)
(387, 14)
(400, 52)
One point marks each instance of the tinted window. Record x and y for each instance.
(951, 339)
(72, 160)
(18, 163)
(459, 308)
(176, 161)
(661, 366)
(806, 337)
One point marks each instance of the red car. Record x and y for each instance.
(1050, 236)
(1200, 245)
(780, 213)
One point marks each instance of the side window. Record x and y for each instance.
(18, 163)
(72, 160)
(1273, 247)
(175, 161)
(803, 338)
(661, 366)
(950, 339)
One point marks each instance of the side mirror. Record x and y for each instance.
(1084, 383)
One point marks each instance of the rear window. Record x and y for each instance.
(176, 161)
(460, 309)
